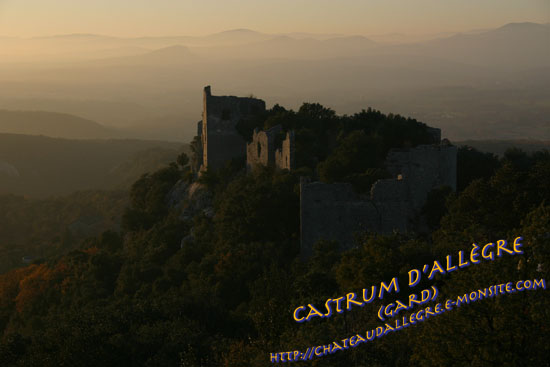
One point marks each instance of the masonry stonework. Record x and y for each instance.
(261, 151)
(264, 150)
(284, 157)
(335, 212)
(330, 211)
(220, 139)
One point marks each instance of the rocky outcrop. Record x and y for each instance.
(190, 200)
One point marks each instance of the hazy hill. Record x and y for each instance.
(498, 147)
(514, 45)
(289, 47)
(81, 37)
(172, 55)
(237, 36)
(41, 166)
(168, 127)
(484, 84)
(59, 125)
(74, 47)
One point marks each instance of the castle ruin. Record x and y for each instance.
(266, 149)
(335, 212)
(330, 211)
(220, 139)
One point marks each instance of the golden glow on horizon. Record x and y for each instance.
(28, 18)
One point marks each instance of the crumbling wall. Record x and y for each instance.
(198, 153)
(332, 212)
(220, 140)
(284, 157)
(424, 168)
(336, 212)
(263, 149)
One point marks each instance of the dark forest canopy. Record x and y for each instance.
(41, 166)
(37, 229)
(225, 296)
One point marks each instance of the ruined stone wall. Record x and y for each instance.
(336, 212)
(390, 197)
(284, 157)
(424, 168)
(332, 212)
(199, 128)
(220, 140)
(262, 150)
(435, 133)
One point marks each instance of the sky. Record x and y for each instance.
(128, 18)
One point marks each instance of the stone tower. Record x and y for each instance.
(220, 140)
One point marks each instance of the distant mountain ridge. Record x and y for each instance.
(249, 35)
(148, 85)
(499, 147)
(172, 55)
(53, 124)
(512, 45)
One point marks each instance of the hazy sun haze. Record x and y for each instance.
(172, 17)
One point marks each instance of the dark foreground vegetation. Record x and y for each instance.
(138, 297)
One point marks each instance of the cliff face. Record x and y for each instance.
(190, 199)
